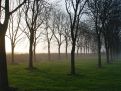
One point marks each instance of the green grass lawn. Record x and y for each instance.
(54, 76)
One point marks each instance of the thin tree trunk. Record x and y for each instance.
(111, 55)
(99, 52)
(107, 55)
(66, 49)
(107, 51)
(31, 52)
(80, 50)
(3, 65)
(59, 55)
(84, 50)
(12, 55)
(49, 55)
(34, 53)
(88, 48)
(73, 59)
(77, 51)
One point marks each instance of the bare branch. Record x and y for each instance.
(18, 7)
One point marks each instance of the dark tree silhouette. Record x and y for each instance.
(94, 7)
(74, 9)
(110, 19)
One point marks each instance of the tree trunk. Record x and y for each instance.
(12, 55)
(34, 50)
(84, 50)
(31, 51)
(49, 55)
(80, 50)
(3, 65)
(107, 51)
(34, 53)
(107, 56)
(99, 52)
(88, 48)
(73, 59)
(66, 49)
(77, 51)
(59, 55)
(111, 54)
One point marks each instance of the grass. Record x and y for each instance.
(54, 76)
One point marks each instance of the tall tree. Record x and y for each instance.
(14, 33)
(34, 19)
(48, 33)
(4, 86)
(74, 9)
(110, 19)
(94, 7)
(58, 31)
(66, 34)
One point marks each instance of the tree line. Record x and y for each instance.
(35, 18)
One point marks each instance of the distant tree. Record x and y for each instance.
(59, 28)
(5, 12)
(14, 33)
(83, 38)
(74, 9)
(48, 33)
(110, 19)
(94, 8)
(37, 39)
(66, 33)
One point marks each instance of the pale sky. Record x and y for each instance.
(23, 46)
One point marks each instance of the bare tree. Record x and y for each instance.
(5, 12)
(74, 9)
(14, 33)
(59, 28)
(109, 13)
(34, 19)
(103, 12)
(94, 7)
(66, 33)
(48, 33)
(37, 38)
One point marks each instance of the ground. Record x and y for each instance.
(54, 76)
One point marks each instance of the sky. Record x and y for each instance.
(23, 45)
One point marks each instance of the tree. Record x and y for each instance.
(14, 34)
(4, 11)
(48, 33)
(37, 38)
(110, 19)
(94, 7)
(74, 9)
(83, 38)
(59, 28)
(66, 33)
(34, 19)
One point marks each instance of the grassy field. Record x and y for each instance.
(54, 76)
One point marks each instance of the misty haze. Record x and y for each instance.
(60, 45)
